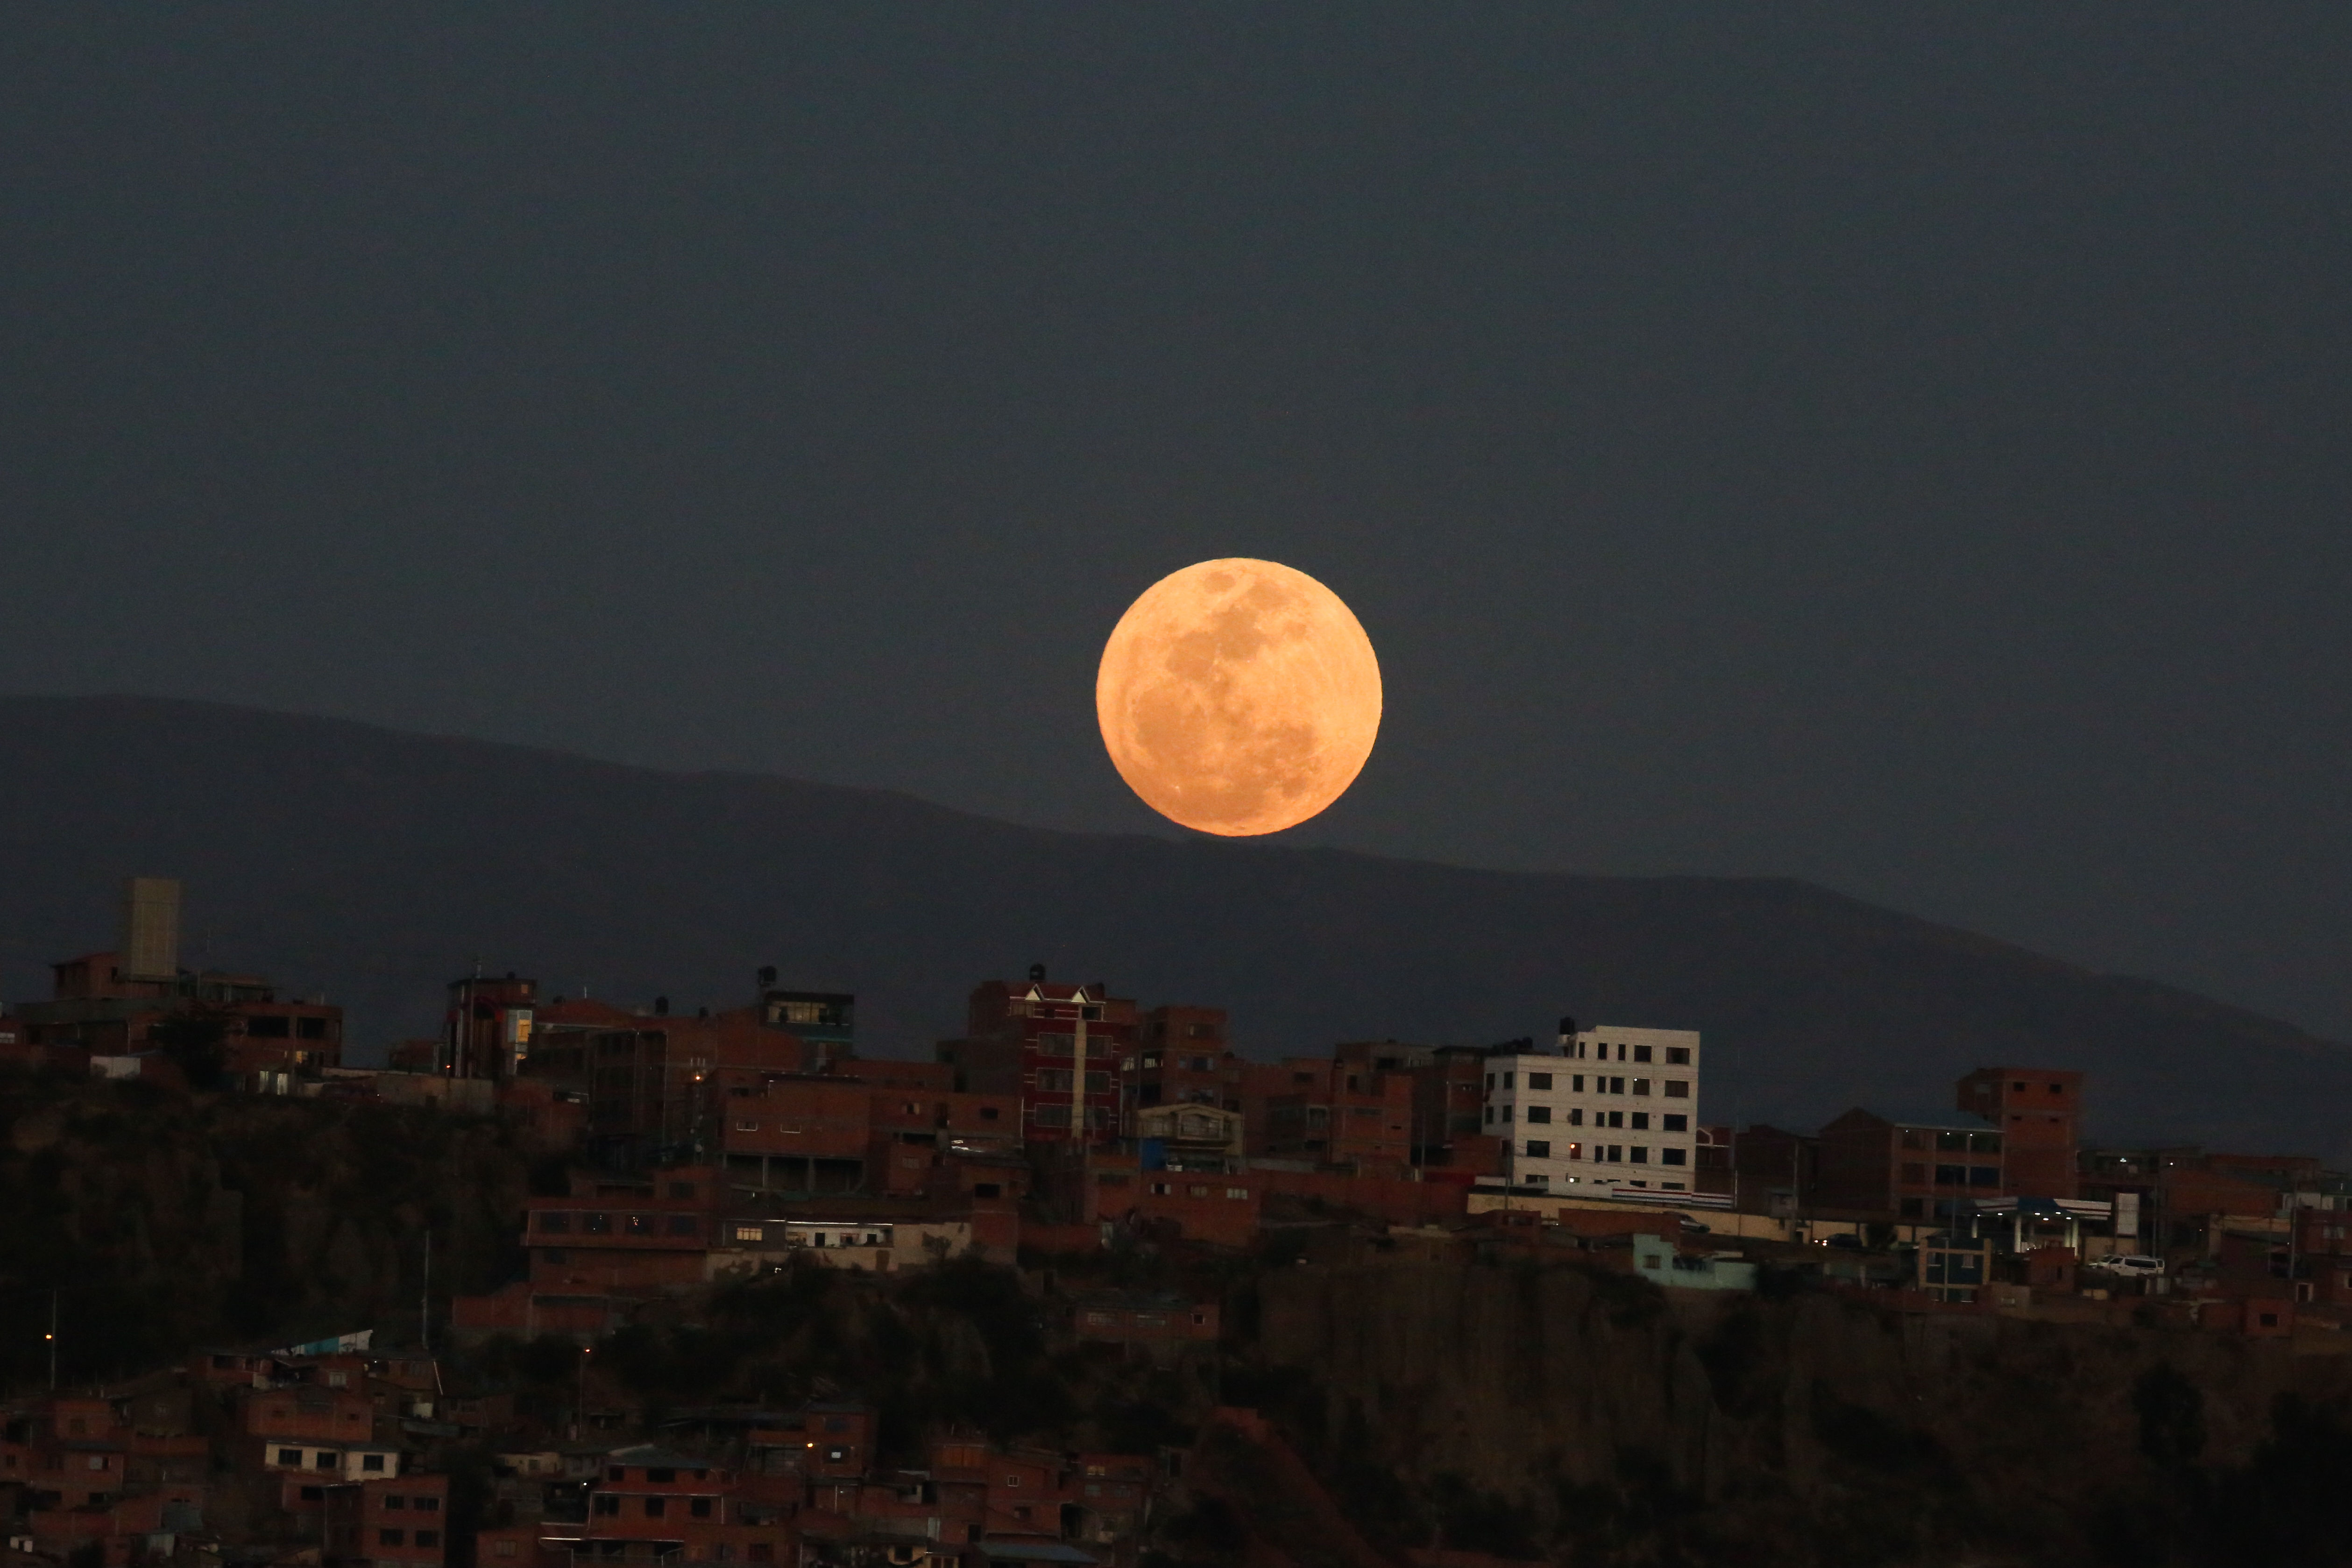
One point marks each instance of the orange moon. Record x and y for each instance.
(1238, 697)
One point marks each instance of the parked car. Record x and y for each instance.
(2138, 1265)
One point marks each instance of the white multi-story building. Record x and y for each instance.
(1606, 1107)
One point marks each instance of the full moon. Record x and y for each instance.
(1238, 697)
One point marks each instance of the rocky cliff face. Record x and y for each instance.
(1557, 1412)
(165, 1221)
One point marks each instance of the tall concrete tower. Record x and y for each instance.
(150, 948)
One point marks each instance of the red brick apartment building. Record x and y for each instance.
(397, 1522)
(651, 1082)
(1223, 1210)
(1185, 1059)
(1927, 1166)
(613, 1235)
(2015, 1134)
(1449, 1097)
(1334, 1112)
(874, 1127)
(2039, 1112)
(1023, 1039)
(650, 1502)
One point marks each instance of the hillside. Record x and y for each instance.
(377, 866)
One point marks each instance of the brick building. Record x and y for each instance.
(1287, 1108)
(1773, 1170)
(2039, 1112)
(1027, 1039)
(1183, 1059)
(655, 1083)
(804, 1132)
(485, 1028)
(825, 1022)
(394, 1521)
(1220, 1209)
(1932, 1165)
(651, 1502)
(624, 1236)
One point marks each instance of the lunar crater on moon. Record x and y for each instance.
(1238, 697)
